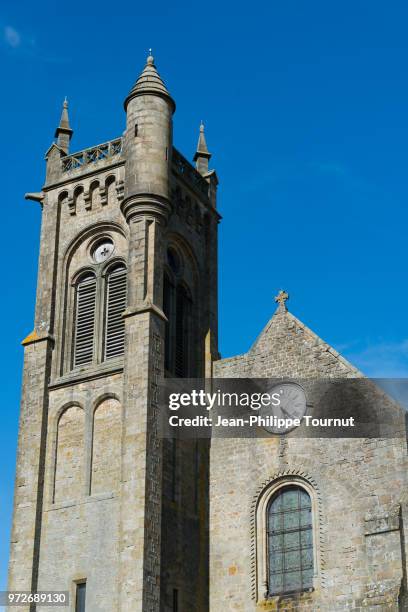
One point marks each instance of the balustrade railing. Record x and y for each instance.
(108, 150)
(104, 151)
(191, 175)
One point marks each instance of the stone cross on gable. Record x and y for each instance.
(281, 299)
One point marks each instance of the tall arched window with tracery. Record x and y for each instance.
(84, 320)
(289, 541)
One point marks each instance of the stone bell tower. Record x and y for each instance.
(127, 294)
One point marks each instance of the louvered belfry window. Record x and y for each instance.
(115, 306)
(85, 320)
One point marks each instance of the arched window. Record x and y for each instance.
(290, 541)
(106, 447)
(70, 455)
(110, 186)
(94, 194)
(84, 323)
(178, 307)
(182, 332)
(79, 202)
(168, 291)
(99, 327)
(115, 307)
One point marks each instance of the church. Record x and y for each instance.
(107, 510)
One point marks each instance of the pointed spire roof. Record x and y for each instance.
(202, 149)
(63, 133)
(149, 82)
(64, 121)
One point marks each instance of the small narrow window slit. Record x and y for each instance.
(80, 597)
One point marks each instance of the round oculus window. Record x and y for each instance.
(102, 250)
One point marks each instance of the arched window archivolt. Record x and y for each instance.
(287, 542)
(98, 328)
(80, 258)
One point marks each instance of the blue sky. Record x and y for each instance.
(305, 107)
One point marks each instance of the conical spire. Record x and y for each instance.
(149, 82)
(64, 122)
(202, 155)
(63, 133)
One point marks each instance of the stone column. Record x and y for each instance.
(147, 149)
(140, 528)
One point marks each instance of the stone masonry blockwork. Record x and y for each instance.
(153, 525)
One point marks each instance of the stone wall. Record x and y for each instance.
(356, 484)
(80, 526)
(88, 496)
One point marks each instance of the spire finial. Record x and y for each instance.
(149, 83)
(281, 299)
(63, 133)
(202, 154)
